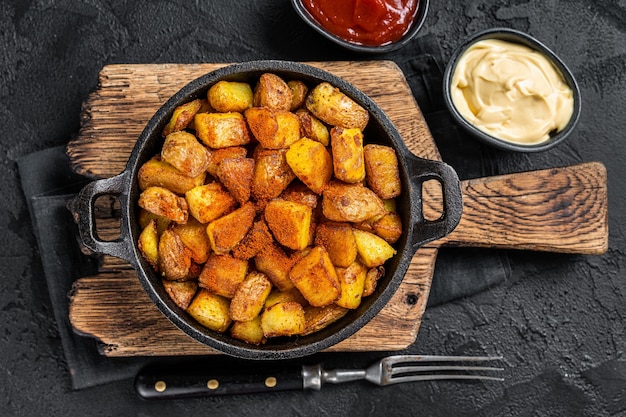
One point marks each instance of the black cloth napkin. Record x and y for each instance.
(48, 183)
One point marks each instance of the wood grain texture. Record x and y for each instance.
(112, 307)
(558, 210)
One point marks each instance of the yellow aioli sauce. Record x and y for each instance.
(512, 92)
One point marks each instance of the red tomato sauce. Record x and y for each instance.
(364, 22)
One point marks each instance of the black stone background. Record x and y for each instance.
(559, 320)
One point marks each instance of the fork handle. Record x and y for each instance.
(170, 383)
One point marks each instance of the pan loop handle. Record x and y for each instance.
(420, 171)
(83, 208)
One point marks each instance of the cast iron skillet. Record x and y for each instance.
(414, 172)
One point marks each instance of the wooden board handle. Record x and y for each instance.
(555, 210)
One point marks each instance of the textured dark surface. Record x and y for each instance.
(559, 320)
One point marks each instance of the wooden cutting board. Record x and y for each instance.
(560, 210)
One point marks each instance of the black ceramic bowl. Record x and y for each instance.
(417, 231)
(418, 22)
(522, 38)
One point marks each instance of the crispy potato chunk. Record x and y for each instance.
(300, 193)
(371, 279)
(194, 237)
(216, 156)
(236, 175)
(289, 222)
(158, 173)
(311, 127)
(250, 297)
(382, 174)
(248, 331)
(389, 227)
(149, 244)
(210, 310)
(181, 292)
(347, 148)
(338, 240)
(298, 93)
(317, 318)
(272, 92)
(257, 238)
(277, 296)
(209, 202)
(350, 203)
(315, 276)
(283, 319)
(226, 232)
(222, 274)
(165, 203)
(352, 281)
(272, 174)
(222, 130)
(274, 263)
(311, 163)
(373, 250)
(230, 96)
(183, 151)
(182, 116)
(174, 257)
(274, 129)
(332, 106)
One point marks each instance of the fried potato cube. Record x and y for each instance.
(236, 175)
(352, 281)
(230, 96)
(371, 279)
(298, 93)
(272, 174)
(389, 227)
(226, 232)
(347, 149)
(283, 319)
(272, 92)
(158, 173)
(145, 217)
(182, 116)
(373, 250)
(174, 257)
(316, 318)
(257, 238)
(274, 129)
(311, 127)
(275, 263)
(311, 163)
(181, 292)
(216, 156)
(382, 174)
(183, 151)
(222, 130)
(289, 222)
(194, 237)
(277, 296)
(350, 203)
(315, 276)
(300, 193)
(209, 202)
(250, 297)
(210, 310)
(149, 244)
(222, 274)
(248, 331)
(338, 240)
(335, 108)
(163, 202)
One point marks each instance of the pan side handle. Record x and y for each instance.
(554, 210)
(83, 210)
(422, 171)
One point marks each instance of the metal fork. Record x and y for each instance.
(404, 368)
(161, 383)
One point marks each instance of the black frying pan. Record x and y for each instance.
(414, 172)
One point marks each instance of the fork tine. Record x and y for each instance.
(431, 358)
(434, 377)
(409, 369)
